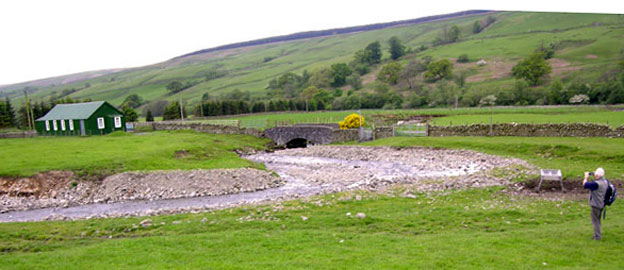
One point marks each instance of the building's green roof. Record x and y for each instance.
(72, 111)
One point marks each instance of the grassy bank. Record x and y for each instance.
(572, 155)
(472, 229)
(125, 152)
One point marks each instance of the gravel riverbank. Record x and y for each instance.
(303, 172)
(62, 189)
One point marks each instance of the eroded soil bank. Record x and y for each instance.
(63, 189)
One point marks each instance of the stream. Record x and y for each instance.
(304, 174)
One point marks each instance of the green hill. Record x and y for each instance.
(588, 47)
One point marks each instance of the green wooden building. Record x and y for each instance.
(81, 119)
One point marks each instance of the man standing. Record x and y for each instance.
(598, 189)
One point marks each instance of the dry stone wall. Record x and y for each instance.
(382, 132)
(344, 135)
(25, 134)
(529, 130)
(207, 128)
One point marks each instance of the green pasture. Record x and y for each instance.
(469, 229)
(487, 228)
(614, 119)
(120, 152)
(530, 114)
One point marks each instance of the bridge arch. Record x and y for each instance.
(296, 135)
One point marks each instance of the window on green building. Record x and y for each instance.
(100, 122)
(117, 121)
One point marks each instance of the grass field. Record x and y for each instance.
(614, 119)
(544, 114)
(120, 152)
(471, 229)
(572, 155)
(463, 229)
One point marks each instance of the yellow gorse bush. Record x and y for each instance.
(351, 121)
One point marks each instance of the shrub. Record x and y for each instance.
(463, 58)
(351, 121)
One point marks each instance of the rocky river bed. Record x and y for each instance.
(302, 172)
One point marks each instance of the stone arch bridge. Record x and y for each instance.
(301, 135)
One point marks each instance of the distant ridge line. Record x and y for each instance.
(335, 31)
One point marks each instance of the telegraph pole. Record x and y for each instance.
(181, 110)
(27, 109)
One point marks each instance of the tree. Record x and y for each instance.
(397, 49)
(363, 59)
(411, 71)
(555, 93)
(532, 69)
(130, 114)
(258, 107)
(448, 35)
(339, 72)
(132, 101)
(360, 68)
(309, 92)
(460, 79)
(370, 55)
(149, 117)
(390, 73)
(520, 94)
(476, 27)
(174, 86)
(415, 100)
(323, 97)
(446, 93)
(4, 116)
(374, 52)
(352, 102)
(441, 69)
(172, 111)
(10, 112)
(454, 34)
(321, 78)
(355, 81)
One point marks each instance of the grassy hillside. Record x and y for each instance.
(592, 43)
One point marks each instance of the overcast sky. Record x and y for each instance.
(40, 39)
